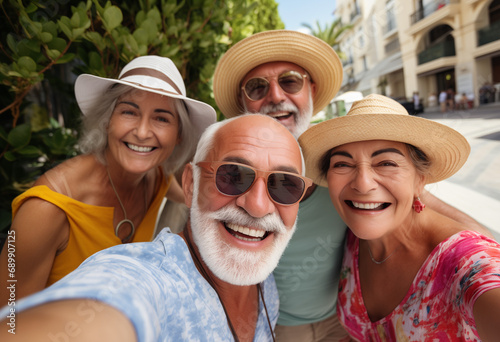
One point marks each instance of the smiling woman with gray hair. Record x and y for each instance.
(138, 130)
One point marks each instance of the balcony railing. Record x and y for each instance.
(427, 10)
(392, 46)
(488, 34)
(444, 49)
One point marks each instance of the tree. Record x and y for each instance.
(330, 33)
(46, 43)
(249, 17)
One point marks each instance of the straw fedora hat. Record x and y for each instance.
(377, 117)
(311, 53)
(149, 73)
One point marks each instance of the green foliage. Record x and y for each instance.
(249, 17)
(30, 154)
(330, 33)
(45, 43)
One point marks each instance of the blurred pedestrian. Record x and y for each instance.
(442, 100)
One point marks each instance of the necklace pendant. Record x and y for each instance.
(118, 226)
(126, 220)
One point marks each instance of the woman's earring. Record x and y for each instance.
(418, 206)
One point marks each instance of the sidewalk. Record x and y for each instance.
(488, 107)
(485, 209)
(475, 188)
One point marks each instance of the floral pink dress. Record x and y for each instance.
(439, 303)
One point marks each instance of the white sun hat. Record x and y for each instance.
(149, 73)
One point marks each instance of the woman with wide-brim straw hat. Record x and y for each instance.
(138, 130)
(408, 273)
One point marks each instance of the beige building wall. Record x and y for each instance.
(388, 61)
(375, 63)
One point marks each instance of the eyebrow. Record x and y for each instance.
(157, 110)
(374, 154)
(341, 153)
(244, 161)
(129, 103)
(387, 150)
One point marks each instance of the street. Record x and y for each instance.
(475, 189)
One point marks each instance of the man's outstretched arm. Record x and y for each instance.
(70, 320)
(447, 210)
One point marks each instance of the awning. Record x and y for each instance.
(391, 64)
(349, 96)
(365, 79)
(384, 67)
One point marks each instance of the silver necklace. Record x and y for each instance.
(382, 261)
(125, 220)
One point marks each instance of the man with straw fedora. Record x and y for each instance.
(291, 76)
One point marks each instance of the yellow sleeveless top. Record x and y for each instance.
(91, 227)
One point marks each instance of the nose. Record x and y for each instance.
(143, 130)
(275, 94)
(364, 180)
(256, 202)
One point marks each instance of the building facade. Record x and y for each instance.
(399, 47)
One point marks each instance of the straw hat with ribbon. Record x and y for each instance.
(149, 73)
(311, 53)
(377, 117)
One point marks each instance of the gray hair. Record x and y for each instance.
(94, 135)
(419, 159)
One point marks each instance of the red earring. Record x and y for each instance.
(418, 206)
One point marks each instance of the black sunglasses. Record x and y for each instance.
(290, 81)
(234, 179)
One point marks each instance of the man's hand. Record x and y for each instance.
(69, 320)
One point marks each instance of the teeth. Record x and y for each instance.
(366, 205)
(277, 115)
(139, 148)
(245, 239)
(256, 233)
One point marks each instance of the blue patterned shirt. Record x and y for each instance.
(157, 286)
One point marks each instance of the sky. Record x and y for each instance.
(295, 12)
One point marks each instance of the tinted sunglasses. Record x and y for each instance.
(290, 81)
(234, 179)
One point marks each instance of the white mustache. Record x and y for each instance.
(282, 106)
(270, 223)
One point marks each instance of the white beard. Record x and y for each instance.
(228, 263)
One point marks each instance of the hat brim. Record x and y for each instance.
(311, 53)
(447, 149)
(90, 88)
